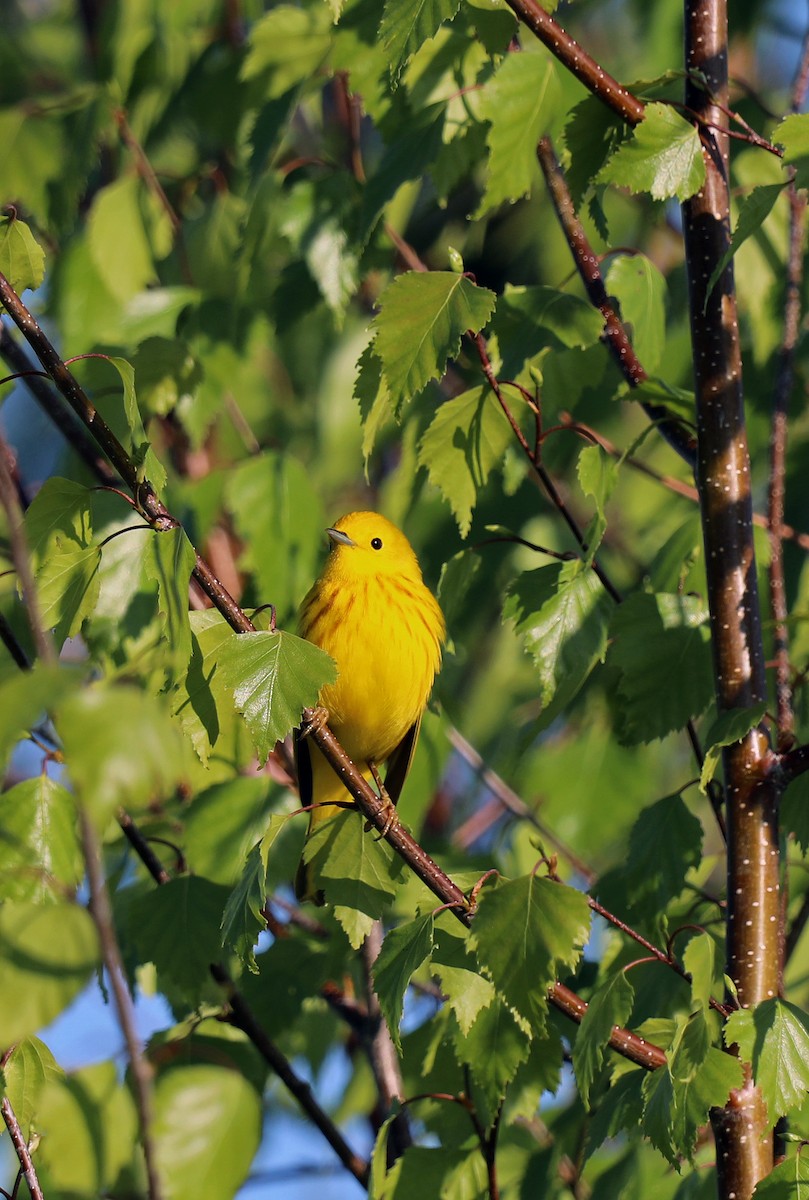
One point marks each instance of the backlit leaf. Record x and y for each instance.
(525, 934)
(467, 438)
(520, 103)
(273, 677)
(422, 320)
(663, 157)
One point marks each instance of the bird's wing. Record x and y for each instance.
(400, 760)
(303, 763)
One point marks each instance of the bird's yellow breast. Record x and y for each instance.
(384, 633)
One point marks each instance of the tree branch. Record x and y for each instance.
(242, 1018)
(21, 1150)
(578, 61)
(679, 436)
(141, 1068)
(744, 1153)
(382, 1052)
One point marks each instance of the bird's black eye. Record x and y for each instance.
(376, 543)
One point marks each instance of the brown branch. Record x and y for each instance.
(74, 434)
(578, 61)
(140, 1067)
(678, 486)
(20, 1145)
(744, 1151)
(376, 812)
(382, 1052)
(241, 1017)
(678, 435)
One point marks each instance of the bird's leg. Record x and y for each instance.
(318, 717)
(391, 816)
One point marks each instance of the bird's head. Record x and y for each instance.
(366, 544)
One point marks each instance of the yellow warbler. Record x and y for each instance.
(371, 611)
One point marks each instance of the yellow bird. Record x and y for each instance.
(371, 611)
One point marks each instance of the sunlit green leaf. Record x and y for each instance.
(663, 157)
(422, 320)
(273, 676)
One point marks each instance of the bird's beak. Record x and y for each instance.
(340, 538)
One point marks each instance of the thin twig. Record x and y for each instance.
(382, 1052)
(21, 1150)
(242, 1018)
(140, 1067)
(679, 436)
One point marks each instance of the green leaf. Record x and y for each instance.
(288, 45)
(355, 870)
(203, 704)
(68, 586)
(58, 519)
(224, 823)
(109, 771)
(176, 927)
(408, 156)
(701, 962)
(774, 1038)
(243, 920)
(145, 459)
(40, 854)
(793, 135)
(22, 259)
(26, 1071)
(728, 728)
(497, 1043)
(520, 103)
(467, 438)
(562, 614)
(661, 650)
(466, 989)
(372, 395)
(124, 264)
(663, 157)
(89, 1128)
(403, 951)
(422, 320)
(795, 810)
(529, 318)
(211, 1150)
(598, 475)
(753, 212)
(47, 954)
(592, 133)
(664, 845)
(679, 1097)
(407, 24)
(273, 676)
(641, 290)
(448, 1174)
(169, 562)
(279, 517)
(526, 933)
(610, 1005)
(168, 374)
(789, 1180)
(24, 698)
